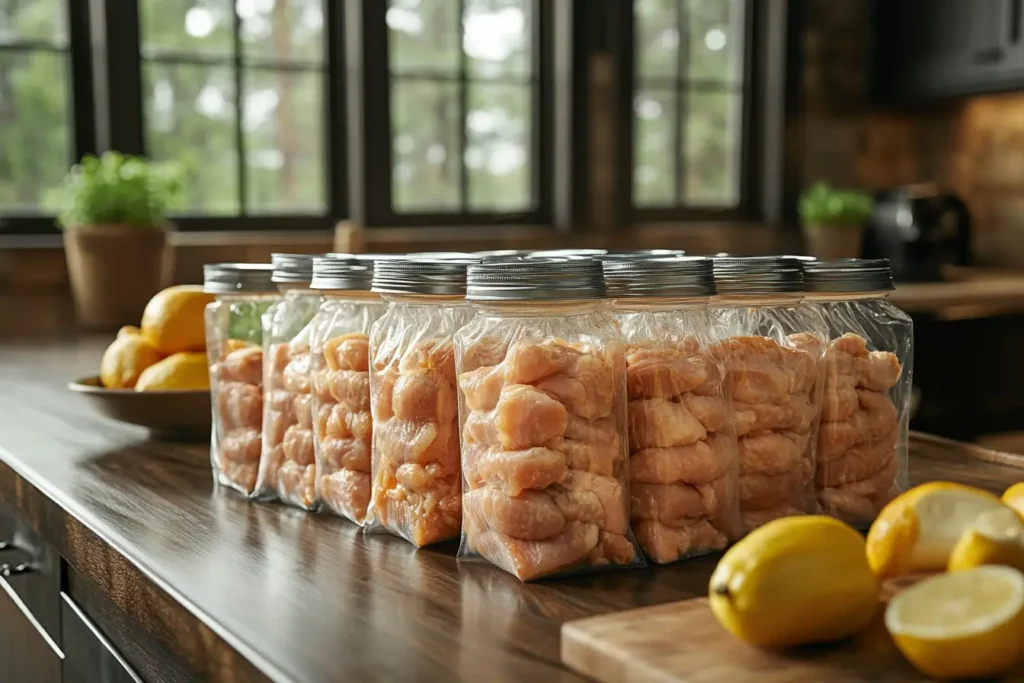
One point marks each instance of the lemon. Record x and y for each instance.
(173, 319)
(918, 529)
(128, 331)
(995, 537)
(963, 625)
(178, 372)
(1014, 497)
(793, 581)
(125, 360)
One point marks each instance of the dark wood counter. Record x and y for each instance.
(188, 582)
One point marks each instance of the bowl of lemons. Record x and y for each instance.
(156, 375)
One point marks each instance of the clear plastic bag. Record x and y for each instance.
(682, 441)
(416, 487)
(287, 467)
(341, 401)
(862, 441)
(234, 333)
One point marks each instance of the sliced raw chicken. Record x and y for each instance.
(513, 471)
(382, 394)
(697, 463)
(589, 395)
(660, 423)
(275, 423)
(298, 445)
(530, 560)
(601, 458)
(482, 386)
(488, 351)
(665, 373)
(241, 474)
(239, 405)
(836, 438)
(346, 492)
(297, 483)
(526, 417)
(350, 388)
(352, 454)
(665, 544)
(847, 505)
(839, 401)
(302, 408)
(422, 518)
(711, 411)
(760, 491)
(586, 497)
(242, 446)
(348, 352)
(794, 413)
(769, 452)
(435, 355)
(753, 519)
(879, 414)
(280, 354)
(531, 515)
(878, 371)
(296, 374)
(244, 365)
(270, 463)
(424, 396)
(401, 441)
(528, 362)
(671, 504)
(603, 430)
(611, 549)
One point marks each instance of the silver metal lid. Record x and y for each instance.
(660, 277)
(503, 254)
(848, 275)
(441, 256)
(232, 278)
(757, 274)
(567, 253)
(293, 268)
(639, 254)
(342, 271)
(443, 276)
(549, 279)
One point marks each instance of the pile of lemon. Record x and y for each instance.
(814, 579)
(167, 352)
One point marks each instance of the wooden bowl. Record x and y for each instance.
(168, 415)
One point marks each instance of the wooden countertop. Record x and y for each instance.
(237, 591)
(968, 292)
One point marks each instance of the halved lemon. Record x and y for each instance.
(917, 530)
(996, 537)
(1014, 497)
(964, 625)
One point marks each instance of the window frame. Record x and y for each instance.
(747, 206)
(379, 193)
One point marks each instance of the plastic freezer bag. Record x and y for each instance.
(543, 425)
(341, 404)
(682, 441)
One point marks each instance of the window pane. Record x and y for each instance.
(282, 31)
(34, 135)
(711, 144)
(423, 35)
(497, 37)
(654, 166)
(190, 119)
(33, 20)
(715, 40)
(425, 149)
(657, 38)
(190, 26)
(284, 147)
(498, 147)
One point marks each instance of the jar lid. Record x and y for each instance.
(293, 268)
(639, 254)
(660, 277)
(441, 256)
(548, 279)
(848, 275)
(567, 253)
(231, 278)
(422, 275)
(503, 254)
(342, 271)
(757, 274)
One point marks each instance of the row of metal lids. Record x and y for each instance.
(511, 275)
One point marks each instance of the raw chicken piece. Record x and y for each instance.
(273, 458)
(347, 493)
(424, 396)
(350, 388)
(422, 518)
(342, 423)
(671, 504)
(710, 411)
(795, 413)
(527, 417)
(480, 429)
(434, 355)
(759, 491)
(302, 407)
(531, 515)
(603, 430)
(589, 394)
(240, 474)
(662, 373)
(698, 463)
(601, 458)
(401, 441)
(879, 482)
(274, 425)
(878, 371)
(244, 365)
(281, 401)
(530, 560)
(836, 438)
(513, 471)
(665, 544)
(352, 454)
(839, 401)
(769, 452)
(879, 415)
(298, 445)
(586, 497)
(382, 394)
(297, 483)
(296, 374)
(528, 361)
(239, 405)
(847, 505)
(488, 351)
(611, 549)
(804, 359)
(280, 354)
(242, 446)
(482, 386)
(753, 519)
(659, 423)
(348, 352)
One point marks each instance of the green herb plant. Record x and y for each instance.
(821, 204)
(117, 189)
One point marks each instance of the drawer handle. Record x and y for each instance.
(8, 571)
(7, 545)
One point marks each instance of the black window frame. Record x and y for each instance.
(748, 204)
(379, 208)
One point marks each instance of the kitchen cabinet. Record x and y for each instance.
(26, 652)
(927, 49)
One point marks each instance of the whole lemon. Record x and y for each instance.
(128, 331)
(173, 320)
(185, 371)
(794, 581)
(125, 360)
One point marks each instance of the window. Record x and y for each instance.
(35, 103)
(688, 105)
(236, 92)
(465, 103)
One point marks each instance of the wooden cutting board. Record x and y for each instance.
(682, 642)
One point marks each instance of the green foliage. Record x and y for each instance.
(246, 321)
(116, 189)
(823, 204)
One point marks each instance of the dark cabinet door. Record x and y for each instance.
(26, 652)
(89, 656)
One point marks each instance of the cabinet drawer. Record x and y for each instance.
(32, 571)
(26, 652)
(88, 655)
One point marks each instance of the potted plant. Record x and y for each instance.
(833, 220)
(112, 210)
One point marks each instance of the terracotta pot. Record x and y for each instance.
(115, 270)
(833, 240)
